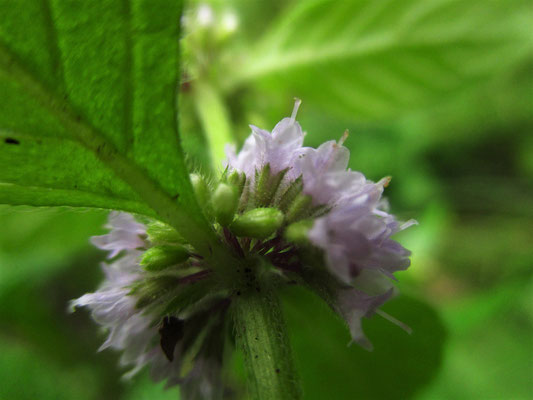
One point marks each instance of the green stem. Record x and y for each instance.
(215, 120)
(261, 335)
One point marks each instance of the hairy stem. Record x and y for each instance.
(261, 335)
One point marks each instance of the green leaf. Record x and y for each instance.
(35, 243)
(88, 114)
(491, 330)
(26, 375)
(369, 59)
(399, 366)
(146, 388)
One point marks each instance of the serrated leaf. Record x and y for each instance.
(373, 59)
(88, 116)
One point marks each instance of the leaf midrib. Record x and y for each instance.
(274, 63)
(201, 237)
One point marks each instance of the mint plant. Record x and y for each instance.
(89, 119)
(166, 302)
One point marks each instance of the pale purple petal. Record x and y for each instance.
(353, 305)
(124, 234)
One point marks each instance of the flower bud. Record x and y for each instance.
(158, 258)
(258, 223)
(237, 179)
(202, 192)
(298, 232)
(161, 233)
(225, 201)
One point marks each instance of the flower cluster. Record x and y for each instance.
(165, 305)
(352, 226)
(131, 304)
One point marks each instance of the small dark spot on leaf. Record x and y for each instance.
(175, 197)
(256, 338)
(11, 141)
(277, 370)
(256, 356)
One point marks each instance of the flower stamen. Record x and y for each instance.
(297, 103)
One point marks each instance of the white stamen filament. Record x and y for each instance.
(297, 103)
(390, 318)
(407, 224)
(343, 137)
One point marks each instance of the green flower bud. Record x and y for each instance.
(225, 201)
(298, 232)
(161, 233)
(258, 223)
(237, 179)
(158, 258)
(202, 192)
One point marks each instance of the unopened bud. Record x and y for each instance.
(298, 232)
(258, 223)
(237, 179)
(225, 201)
(201, 191)
(160, 233)
(160, 257)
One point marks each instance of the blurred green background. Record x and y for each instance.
(437, 94)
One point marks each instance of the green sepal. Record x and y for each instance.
(161, 233)
(225, 201)
(152, 290)
(267, 185)
(290, 194)
(258, 223)
(158, 258)
(299, 208)
(297, 232)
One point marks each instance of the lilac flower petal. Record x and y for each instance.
(124, 234)
(353, 305)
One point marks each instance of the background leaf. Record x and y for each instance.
(367, 59)
(399, 366)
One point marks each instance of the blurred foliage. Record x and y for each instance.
(439, 95)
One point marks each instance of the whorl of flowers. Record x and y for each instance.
(291, 214)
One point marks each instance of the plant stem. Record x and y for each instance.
(261, 335)
(215, 120)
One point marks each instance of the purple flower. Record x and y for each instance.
(279, 149)
(355, 231)
(164, 305)
(130, 329)
(124, 234)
